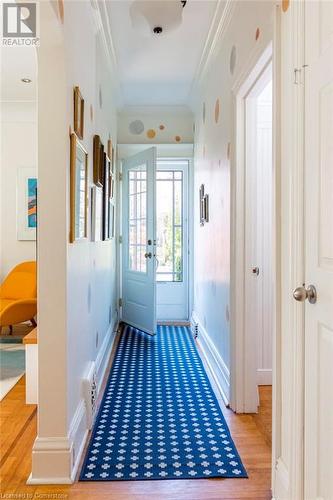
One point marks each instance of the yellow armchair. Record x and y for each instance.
(18, 295)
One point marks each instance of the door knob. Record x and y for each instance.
(301, 294)
(148, 255)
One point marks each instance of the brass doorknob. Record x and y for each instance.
(301, 294)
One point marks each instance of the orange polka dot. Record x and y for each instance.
(257, 33)
(162, 127)
(178, 138)
(285, 5)
(151, 133)
(217, 110)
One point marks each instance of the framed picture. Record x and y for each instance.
(202, 204)
(78, 113)
(111, 219)
(26, 203)
(96, 213)
(98, 161)
(110, 149)
(106, 195)
(78, 191)
(206, 208)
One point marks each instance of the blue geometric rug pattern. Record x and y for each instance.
(159, 417)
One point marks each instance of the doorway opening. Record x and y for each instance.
(254, 234)
(172, 240)
(155, 240)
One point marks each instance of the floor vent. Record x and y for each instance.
(89, 389)
(195, 329)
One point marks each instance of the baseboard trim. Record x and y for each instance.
(57, 459)
(264, 376)
(215, 363)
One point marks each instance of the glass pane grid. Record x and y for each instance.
(169, 186)
(137, 224)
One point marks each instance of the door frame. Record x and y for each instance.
(183, 151)
(288, 249)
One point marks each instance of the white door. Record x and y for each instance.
(138, 249)
(318, 443)
(172, 240)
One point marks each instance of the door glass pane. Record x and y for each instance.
(169, 230)
(137, 224)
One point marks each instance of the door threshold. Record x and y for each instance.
(175, 322)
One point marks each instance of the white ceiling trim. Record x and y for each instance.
(222, 17)
(100, 13)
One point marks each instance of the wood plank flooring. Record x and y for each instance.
(18, 423)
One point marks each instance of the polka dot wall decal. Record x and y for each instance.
(285, 5)
(178, 138)
(217, 110)
(257, 33)
(162, 127)
(233, 56)
(203, 112)
(136, 127)
(151, 133)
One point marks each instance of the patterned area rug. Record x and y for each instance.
(159, 418)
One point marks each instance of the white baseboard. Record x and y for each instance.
(56, 460)
(264, 376)
(216, 365)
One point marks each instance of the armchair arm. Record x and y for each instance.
(18, 311)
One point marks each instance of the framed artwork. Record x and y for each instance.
(78, 191)
(110, 149)
(111, 219)
(78, 113)
(106, 195)
(206, 208)
(26, 204)
(98, 161)
(202, 204)
(96, 213)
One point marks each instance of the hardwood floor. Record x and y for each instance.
(18, 423)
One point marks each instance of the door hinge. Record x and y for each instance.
(120, 239)
(120, 176)
(120, 302)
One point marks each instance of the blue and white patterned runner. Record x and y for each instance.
(159, 418)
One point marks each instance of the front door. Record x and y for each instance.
(138, 249)
(319, 250)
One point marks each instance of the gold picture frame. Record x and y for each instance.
(98, 161)
(78, 113)
(78, 190)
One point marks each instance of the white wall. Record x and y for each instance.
(77, 282)
(19, 149)
(213, 152)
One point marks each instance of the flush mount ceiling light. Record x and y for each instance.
(157, 17)
(26, 80)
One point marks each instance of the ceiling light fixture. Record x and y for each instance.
(156, 17)
(26, 80)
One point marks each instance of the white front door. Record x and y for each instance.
(138, 249)
(318, 443)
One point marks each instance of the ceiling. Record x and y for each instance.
(18, 63)
(159, 69)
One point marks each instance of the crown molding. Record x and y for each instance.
(223, 14)
(102, 25)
